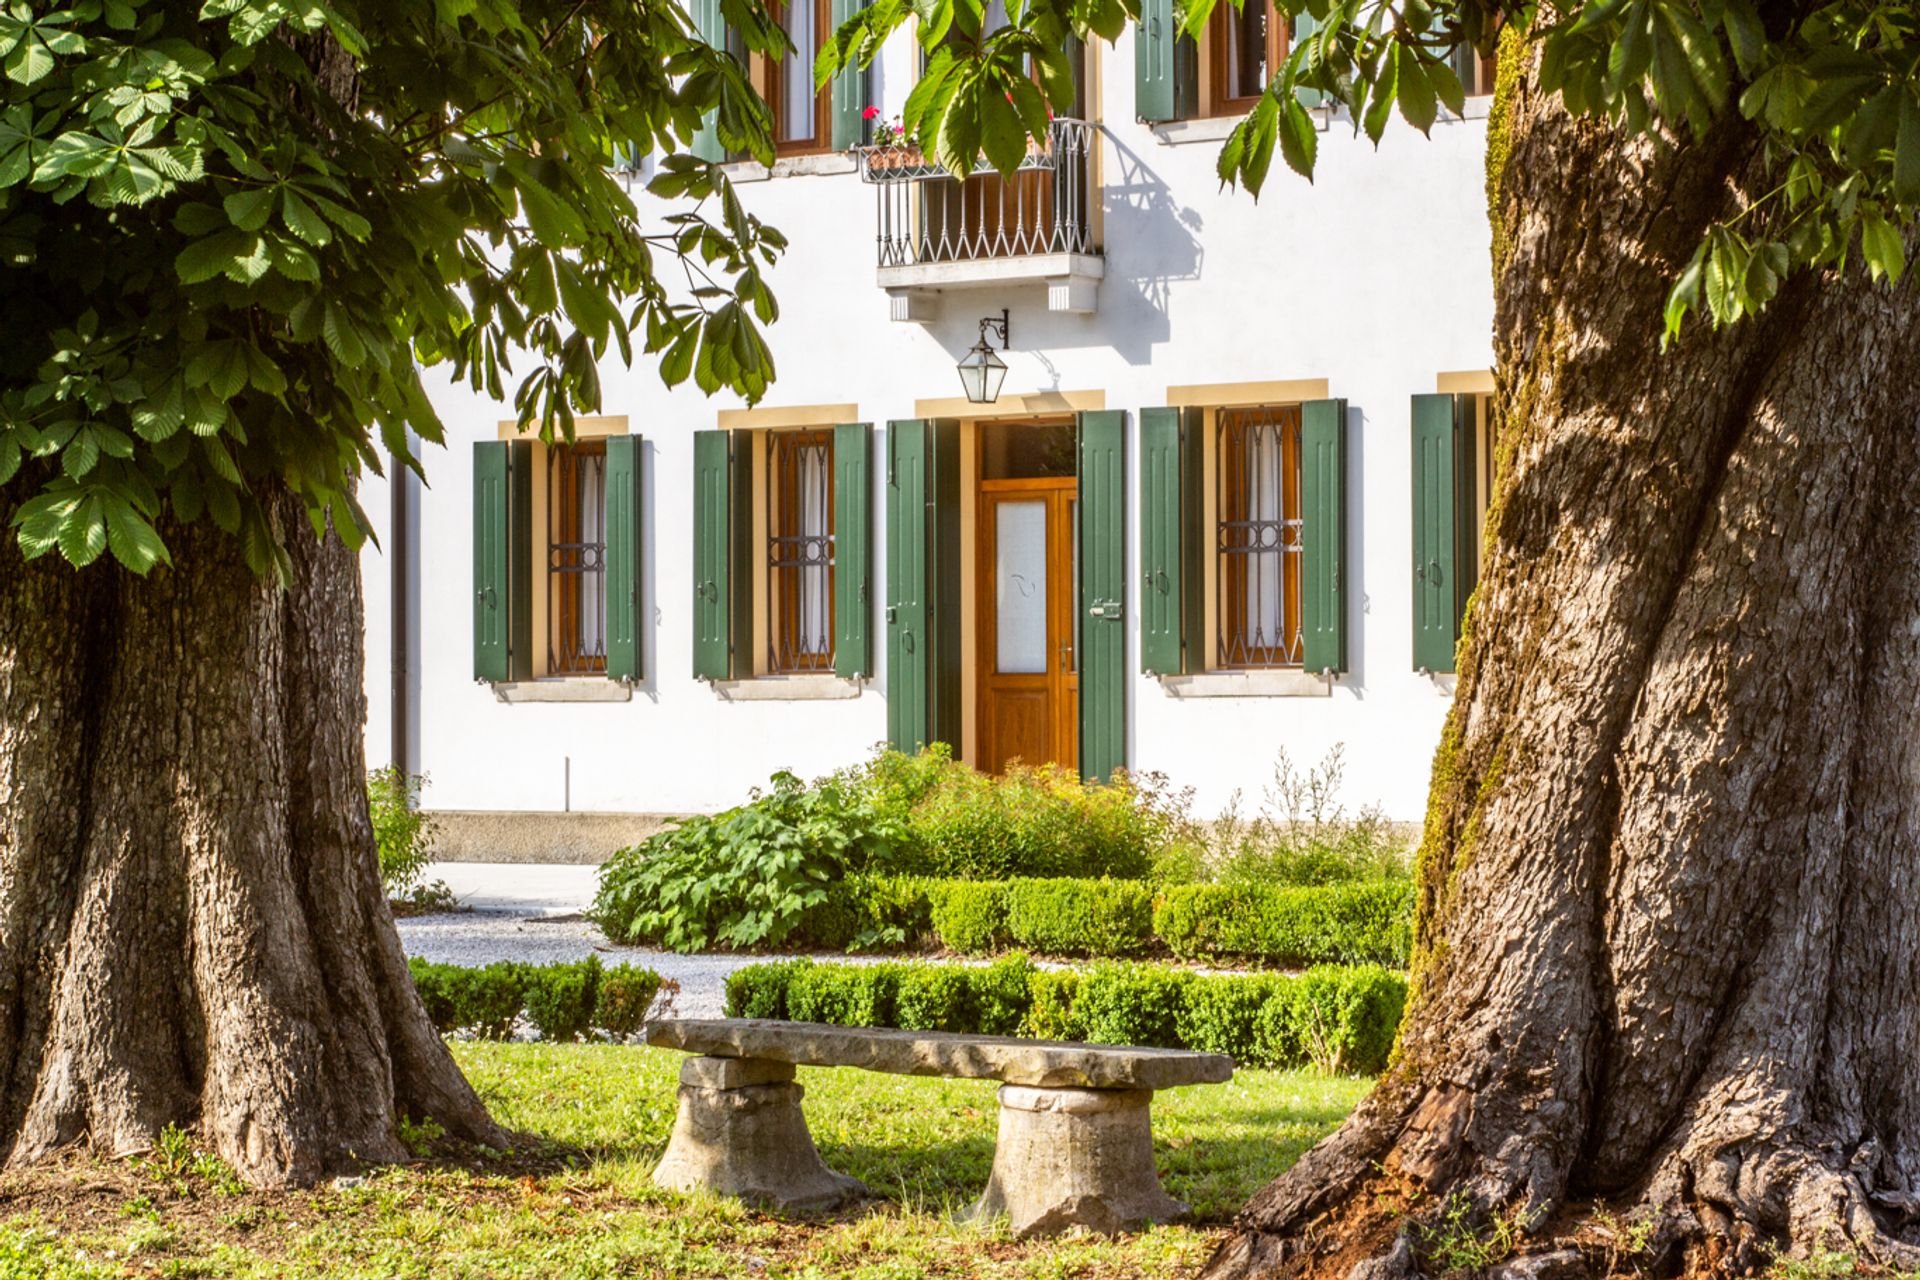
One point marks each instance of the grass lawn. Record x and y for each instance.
(574, 1200)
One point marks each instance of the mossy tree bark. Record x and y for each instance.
(192, 926)
(1668, 938)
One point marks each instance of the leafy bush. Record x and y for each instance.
(1338, 1018)
(1034, 821)
(1051, 1011)
(561, 998)
(850, 995)
(488, 1000)
(1003, 993)
(760, 990)
(867, 913)
(562, 1001)
(1080, 917)
(968, 916)
(936, 998)
(1280, 924)
(1132, 1004)
(742, 878)
(402, 832)
(626, 993)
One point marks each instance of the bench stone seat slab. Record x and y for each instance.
(1047, 1064)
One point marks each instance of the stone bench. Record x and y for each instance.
(1075, 1145)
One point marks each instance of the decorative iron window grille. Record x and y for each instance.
(1258, 580)
(577, 559)
(799, 551)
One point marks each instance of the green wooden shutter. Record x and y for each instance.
(1155, 96)
(1304, 25)
(502, 560)
(1323, 449)
(923, 583)
(852, 552)
(850, 92)
(712, 29)
(1171, 586)
(1102, 648)
(623, 559)
(713, 590)
(1444, 560)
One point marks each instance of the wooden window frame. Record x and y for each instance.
(570, 556)
(775, 73)
(785, 653)
(1230, 589)
(1219, 37)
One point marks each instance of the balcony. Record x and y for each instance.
(938, 233)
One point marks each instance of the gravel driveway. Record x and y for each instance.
(533, 914)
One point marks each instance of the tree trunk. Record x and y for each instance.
(1668, 936)
(192, 926)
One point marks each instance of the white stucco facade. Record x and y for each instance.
(1374, 277)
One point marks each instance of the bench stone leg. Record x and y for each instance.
(739, 1132)
(1075, 1158)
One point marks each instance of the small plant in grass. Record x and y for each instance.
(1302, 835)
(418, 1136)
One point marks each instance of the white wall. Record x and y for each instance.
(1375, 277)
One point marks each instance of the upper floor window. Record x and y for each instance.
(802, 114)
(577, 558)
(799, 522)
(1248, 46)
(1259, 526)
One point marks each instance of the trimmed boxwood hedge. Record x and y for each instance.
(1286, 925)
(562, 1001)
(1366, 923)
(1341, 1018)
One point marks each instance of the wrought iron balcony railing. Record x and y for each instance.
(926, 215)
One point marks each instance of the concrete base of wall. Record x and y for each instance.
(478, 835)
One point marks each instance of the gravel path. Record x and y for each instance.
(533, 914)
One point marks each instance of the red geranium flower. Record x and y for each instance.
(870, 113)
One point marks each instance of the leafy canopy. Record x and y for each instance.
(1832, 92)
(234, 232)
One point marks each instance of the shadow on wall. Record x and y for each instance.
(1158, 243)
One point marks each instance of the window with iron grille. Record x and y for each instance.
(799, 551)
(577, 559)
(1259, 562)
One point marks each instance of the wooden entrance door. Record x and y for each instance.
(1029, 680)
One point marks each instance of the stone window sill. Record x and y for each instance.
(564, 689)
(829, 162)
(1249, 684)
(820, 688)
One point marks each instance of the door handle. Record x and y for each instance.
(485, 596)
(1108, 609)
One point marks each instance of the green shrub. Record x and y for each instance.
(743, 878)
(936, 998)
(487, 1001)
(1345, 924)
(968, 916)
(561, 998)
(626, 993)
(760, 990)
(402, 833)
(1034, 821)
(1051, 1009)
(849, 995)
(1338, 1018)
(1341, 1019)
(1080, 917)
(1131, 1004)
(1301, 835)
(435, 983)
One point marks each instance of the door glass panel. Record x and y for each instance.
(1020, 587)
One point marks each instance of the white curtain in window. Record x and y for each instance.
(816, 578)
(1265, 571)
(593, 531)
(797, 92)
